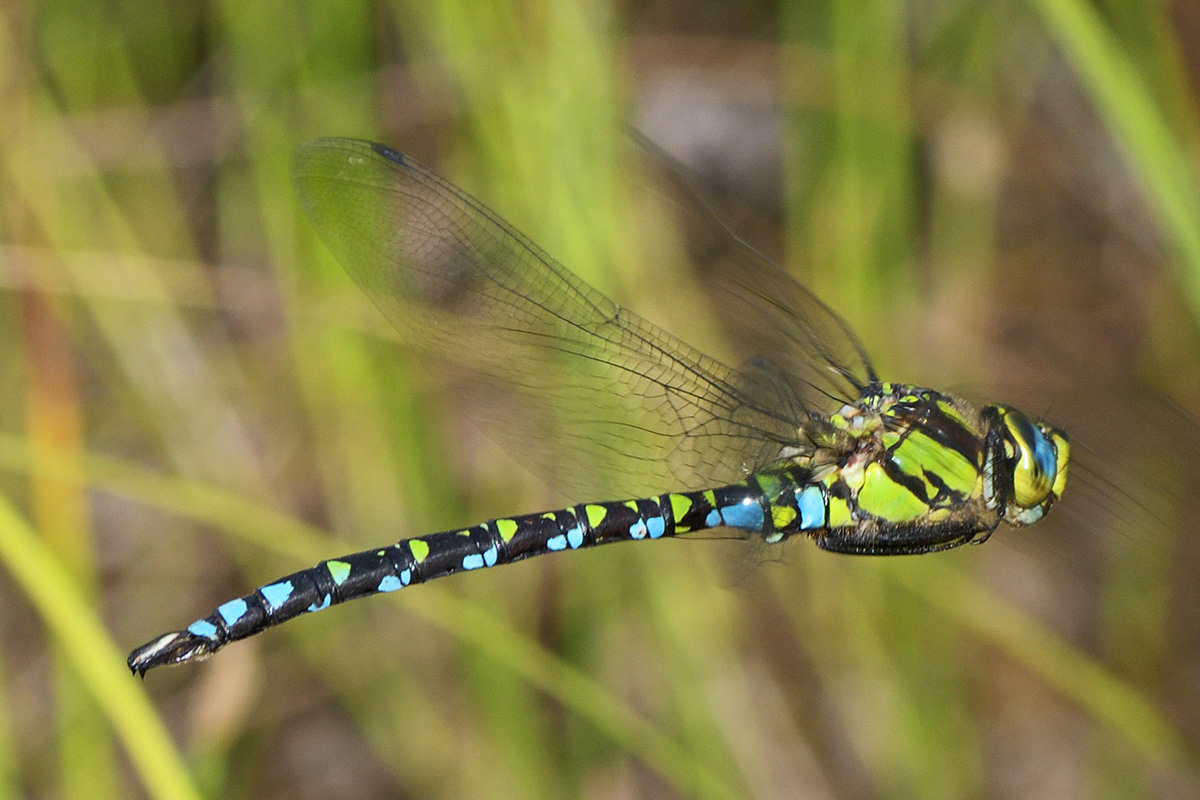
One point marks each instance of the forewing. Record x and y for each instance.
(604, 399)
(771, 320)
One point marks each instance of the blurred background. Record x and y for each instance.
(999, 196)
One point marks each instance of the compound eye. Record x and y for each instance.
(1036, 470)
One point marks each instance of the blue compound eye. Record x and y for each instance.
(1036, 470)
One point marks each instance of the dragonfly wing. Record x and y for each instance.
(769, 316)
(632, 408)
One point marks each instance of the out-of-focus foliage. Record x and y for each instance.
(1000, 197)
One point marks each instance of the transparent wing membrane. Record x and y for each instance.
(635, 408)
(771, 320)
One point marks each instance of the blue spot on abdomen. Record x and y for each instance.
(204, 628)
(747, 515)
(656, 527)
(276, 594)
(811, 503)
(232, 611)
(575, 537)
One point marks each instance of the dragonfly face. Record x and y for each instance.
(1026, 467)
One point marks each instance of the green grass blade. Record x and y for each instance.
(271, 530)
(1150, 145)
(1071, 672)
(96, 661)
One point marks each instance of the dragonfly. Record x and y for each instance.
(801, 440)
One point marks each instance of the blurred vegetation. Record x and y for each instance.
(1000, 197)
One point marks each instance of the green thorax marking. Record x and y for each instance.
(900, 454)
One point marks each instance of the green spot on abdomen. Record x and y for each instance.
(882, 497)
(680, 505)
(595, 514)
(419, 549)
(782, 516)
(338, 570)
(507, 528)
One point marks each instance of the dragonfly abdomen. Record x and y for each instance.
(424, 558)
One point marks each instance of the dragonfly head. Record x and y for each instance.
(1025, 467)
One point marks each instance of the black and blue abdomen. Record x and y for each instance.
(498, 541)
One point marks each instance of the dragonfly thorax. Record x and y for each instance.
(909, 469)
